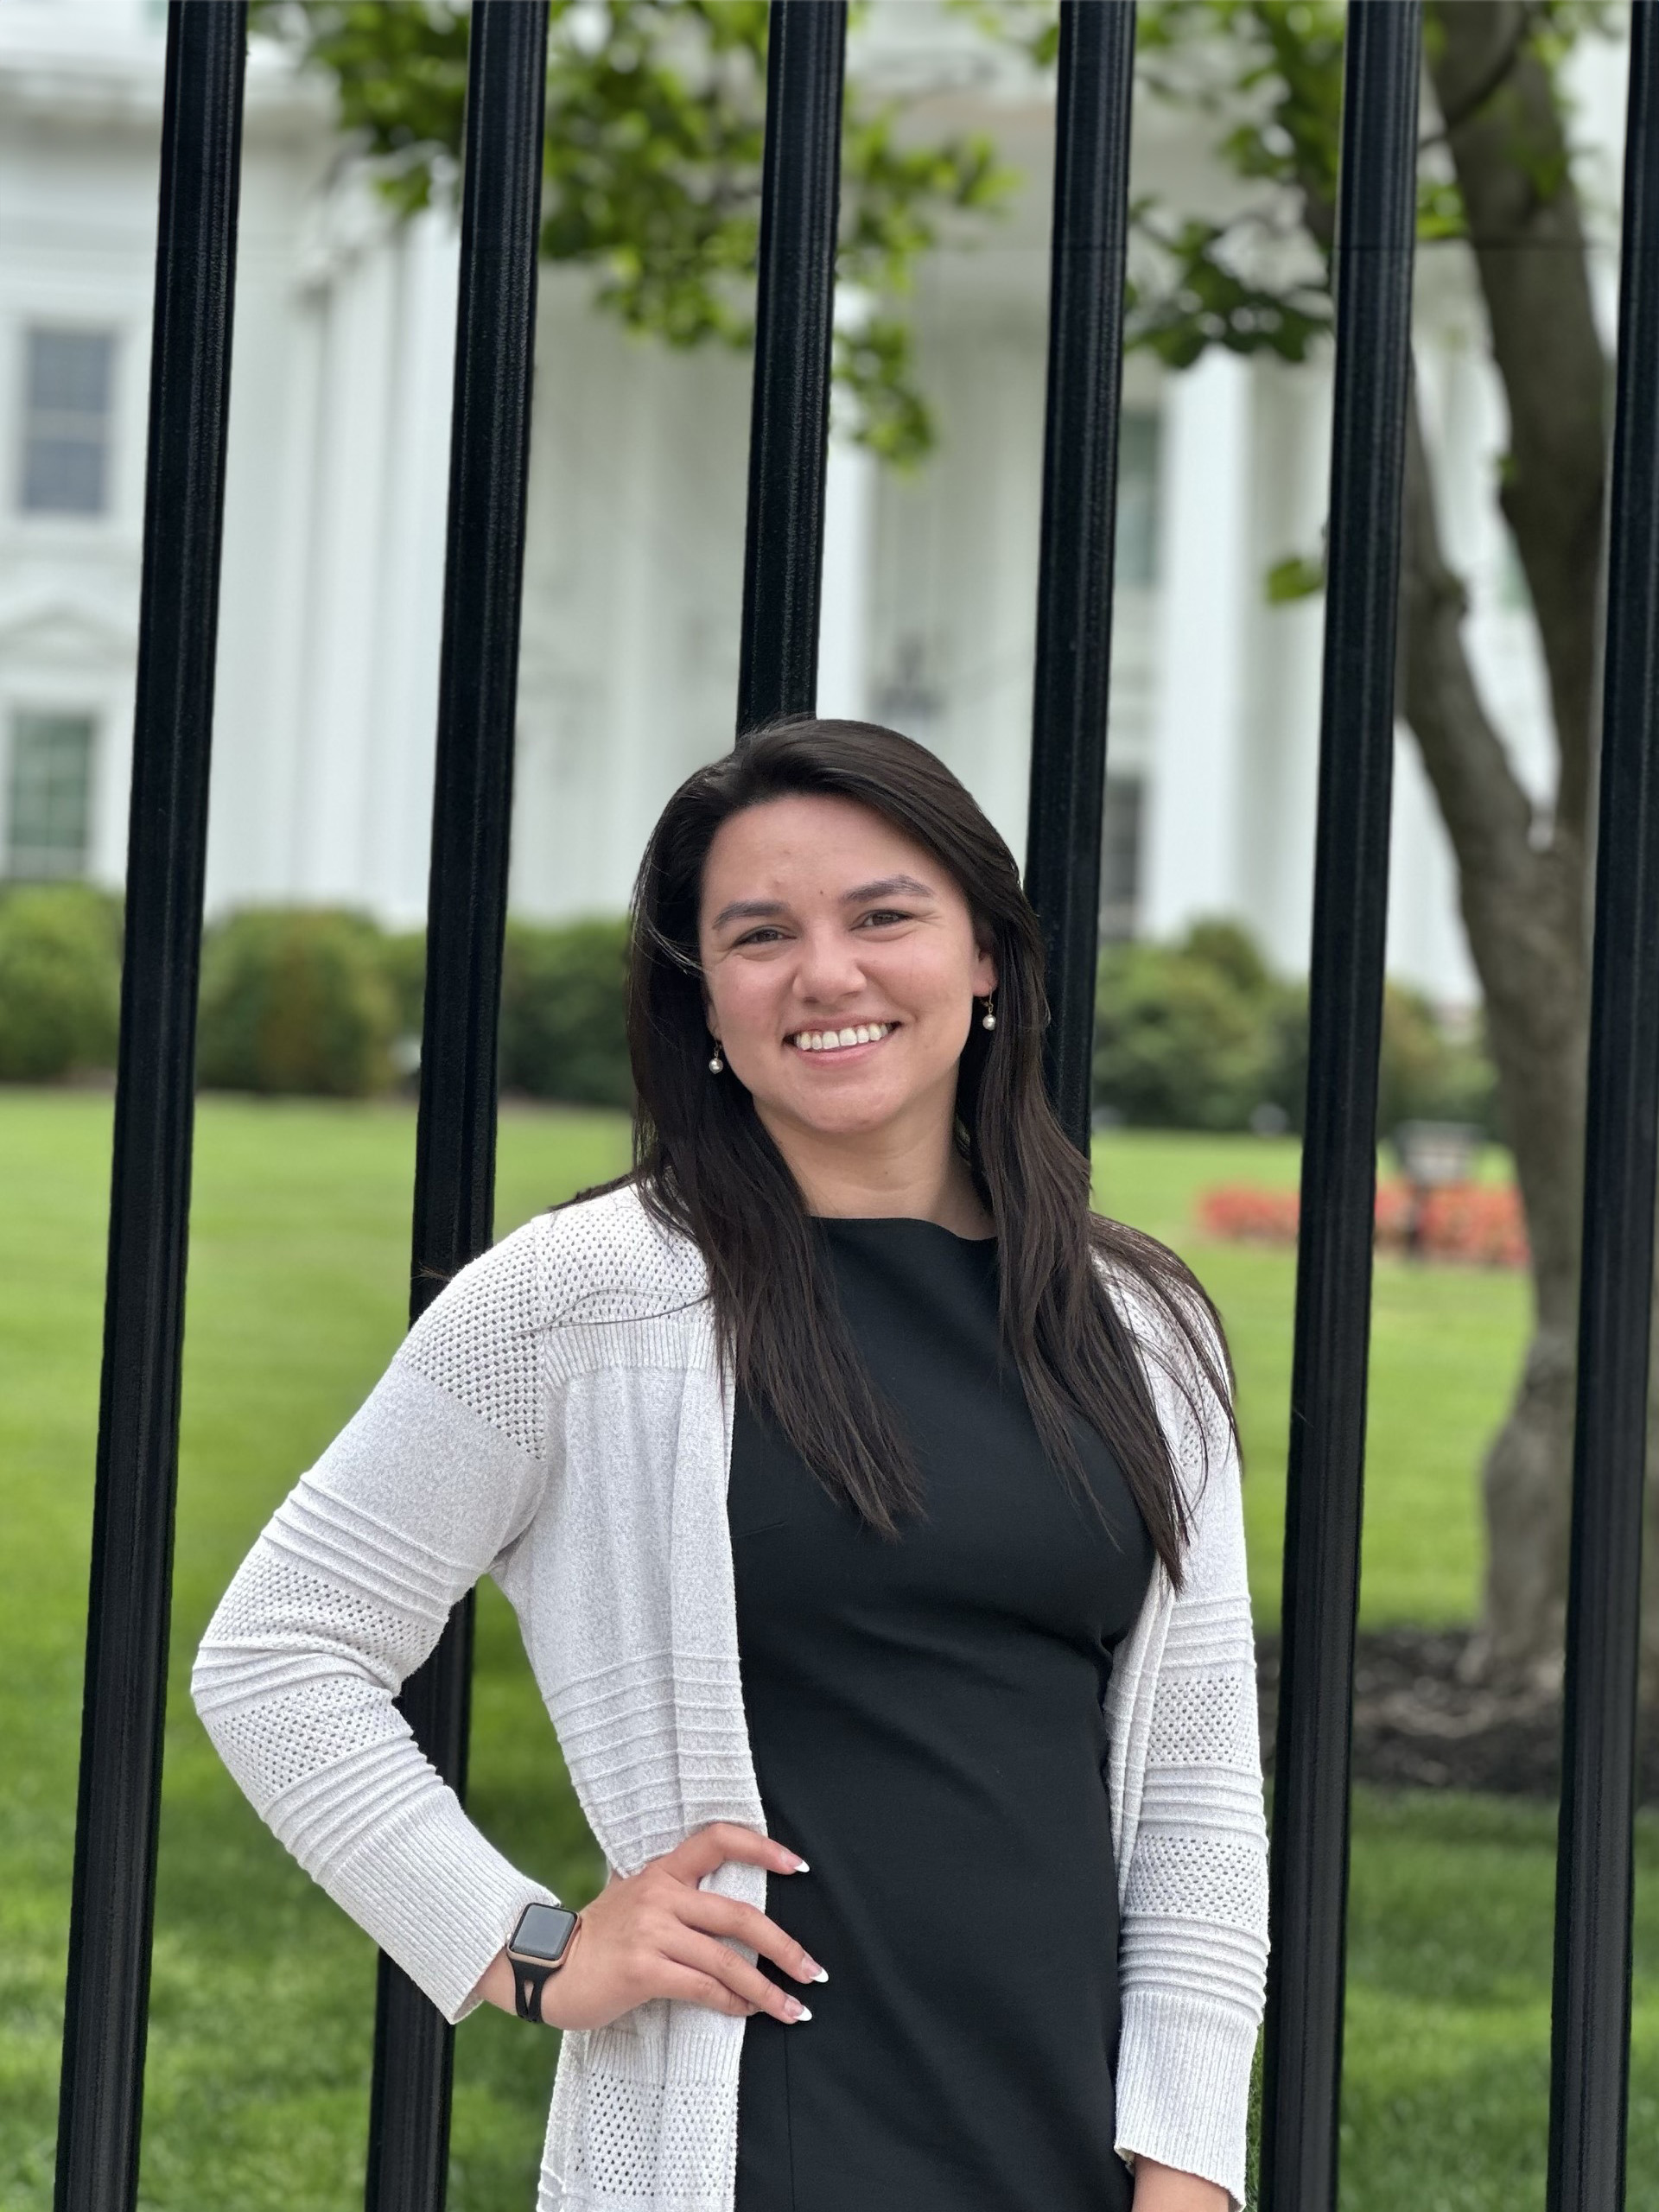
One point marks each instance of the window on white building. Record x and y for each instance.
(68, 389)
(1137, 499)
(48, 796)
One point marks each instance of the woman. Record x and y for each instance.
(871, 1513)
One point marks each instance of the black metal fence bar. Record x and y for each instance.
(454, 1169)
(1591, 2027)
(1375, 225)
(1074, 590)
(102, 2093)
(789, 425)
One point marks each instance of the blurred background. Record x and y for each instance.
(320, 821)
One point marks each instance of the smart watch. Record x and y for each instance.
(538, 1946)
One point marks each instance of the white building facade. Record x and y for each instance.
(334, 544)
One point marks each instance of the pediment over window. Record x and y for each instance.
(59, 631)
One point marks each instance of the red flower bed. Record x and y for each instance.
(1243, 1213)
(1479, 1223)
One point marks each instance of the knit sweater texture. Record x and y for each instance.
(560, 1420)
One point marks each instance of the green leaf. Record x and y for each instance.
(655, 134)
(1292, 578)
(1192, 293)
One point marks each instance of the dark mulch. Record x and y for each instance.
(1418, 1725)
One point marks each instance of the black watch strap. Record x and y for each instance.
(530, 1977)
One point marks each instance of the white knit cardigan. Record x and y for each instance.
(560, 1419)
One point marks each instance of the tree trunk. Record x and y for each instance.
(1521, 908)
(1522, 870)
(1522, 878)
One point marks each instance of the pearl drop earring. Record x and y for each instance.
(716, 1064)
(988, 1020)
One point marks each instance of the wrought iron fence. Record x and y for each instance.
(128, 1618)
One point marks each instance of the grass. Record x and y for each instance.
(1446, 2047)
(262, 1997)
(263, 1994)
(1446, 1350)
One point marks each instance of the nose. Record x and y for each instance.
(828, 968)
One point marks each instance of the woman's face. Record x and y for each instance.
(839, 964)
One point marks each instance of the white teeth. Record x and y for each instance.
(830, 1040)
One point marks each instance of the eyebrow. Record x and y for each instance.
(757, 909)
(747, 910)
(884, 886)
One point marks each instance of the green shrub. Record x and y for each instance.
(295, 1000)
(1184, 1039)
(1202, 1035)
(403, 956)
(563, 1011)
(59, 981)
(1425, 1073)
(1228, 949)
(1429, 1075)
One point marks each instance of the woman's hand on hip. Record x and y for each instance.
(657, 1934)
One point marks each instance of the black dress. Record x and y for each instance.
(927, 1729)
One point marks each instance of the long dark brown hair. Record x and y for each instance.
(705, 1165)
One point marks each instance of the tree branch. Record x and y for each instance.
(1487, 813)
(1509, 151)
(1476, 97)
(1521, 902)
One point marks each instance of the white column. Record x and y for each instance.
(1192, 817)
(292, 554)
(1289, 479)
(848, 554)
(848, 544)
(340, 711)
(1426, 945)
(401, 736)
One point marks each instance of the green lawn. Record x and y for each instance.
(259, 2047)
(1446, 1350)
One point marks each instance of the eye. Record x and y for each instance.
(884, 914)
(763, 934)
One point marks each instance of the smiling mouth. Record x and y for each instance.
(840, 1040)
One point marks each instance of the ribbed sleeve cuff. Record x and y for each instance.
(437, 1897)
(1184, 2086)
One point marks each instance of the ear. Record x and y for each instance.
(985, 975)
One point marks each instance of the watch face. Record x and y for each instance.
(542, 1932)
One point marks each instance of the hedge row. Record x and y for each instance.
(308, 1000)
(59, 981)
(1202, 1036)
(1199, 1035)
